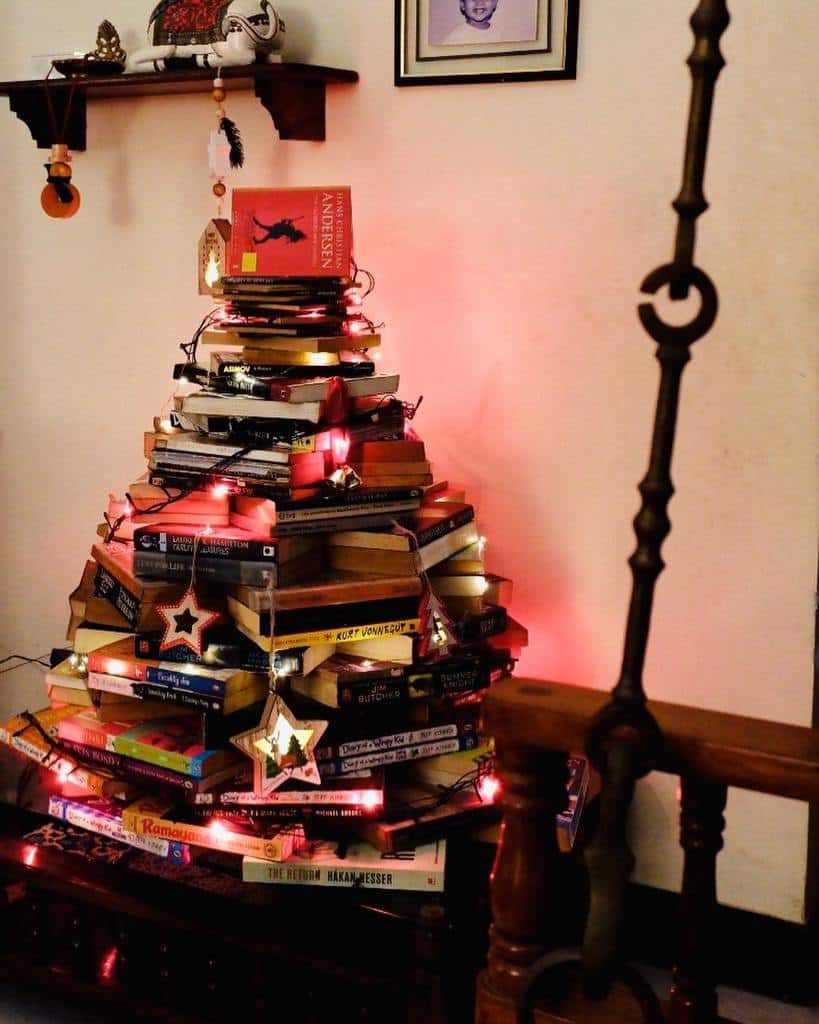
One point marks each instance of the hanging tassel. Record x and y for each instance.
(237, 150)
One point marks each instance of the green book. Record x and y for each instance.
(175, 744)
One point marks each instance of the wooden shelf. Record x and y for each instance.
(293, 94)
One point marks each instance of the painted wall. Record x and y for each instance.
(508, 227)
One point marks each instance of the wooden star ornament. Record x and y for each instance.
(185, 621)
(282, 747)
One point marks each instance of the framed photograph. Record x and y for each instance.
(443, 41)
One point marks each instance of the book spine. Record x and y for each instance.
(118, 596)
(170, 759)
(66, 768)
(168, 677)
(352, 748)
(366, 694)
(300, 797)
(167, 542)
(248, 659)
(275, 848)
(227, 369)
(251, 574)
(92, 820)
(348, 634)
(389, 874)
(282, 814)
(180, 698)
(356, 499)
(354, 521)
(341, 766)
(448, 680)
(486, 623)
(444, 526)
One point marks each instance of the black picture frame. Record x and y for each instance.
(420, 59)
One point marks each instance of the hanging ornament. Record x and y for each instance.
(59, 199)
(282, 746)
(437, 629)
(226, 148)
(185, 621)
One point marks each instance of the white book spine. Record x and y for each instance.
(398, 739)
(111, 684)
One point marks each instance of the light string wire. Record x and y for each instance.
(23, 659)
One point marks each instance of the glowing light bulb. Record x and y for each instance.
(207, 531)
(30, 856)
(481, 546)
(488, 788)
(375, 356)
(165, 425)
(219, 829)
(219, 490)
(127, 509)
(371, 800)
(212, 273)
(341, 446)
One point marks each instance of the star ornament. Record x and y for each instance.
(185, 621)
(282, 747)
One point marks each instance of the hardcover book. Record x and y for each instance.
(361, 867)
(291, 232)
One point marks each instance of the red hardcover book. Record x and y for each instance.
(291, 232)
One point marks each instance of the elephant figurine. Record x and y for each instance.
(211, 34)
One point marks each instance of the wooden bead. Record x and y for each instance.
(218, 95)
(219, 189)
(50, 202)
(59, 170)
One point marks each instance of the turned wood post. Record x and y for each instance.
(524, 876)
(693, 993)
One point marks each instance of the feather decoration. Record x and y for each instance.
(237, 149)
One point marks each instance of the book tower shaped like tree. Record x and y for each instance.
(289, 531)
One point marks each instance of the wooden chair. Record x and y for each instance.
(535, 723)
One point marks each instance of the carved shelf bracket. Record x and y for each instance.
(293, 94)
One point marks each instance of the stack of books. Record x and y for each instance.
(289, 528)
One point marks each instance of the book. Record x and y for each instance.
(352, 791)
(330, 588)
(225, 543)
(291, 232)
(89, 637)
(159, 565)
(154, 699)
(39, 743)
(418, 815)
(356, 502)
(423, 532)
(345, 680)
(66, 674)
(118, 561)
(361, 867)
(171, 744)
(368, 452)
(214, 403)
(145, 774)
(369, 632)
(373, 759)
(104, 817)
(353, 559)
(398, 647)
(299, 391)
(339, 749)
(282, 363)
(151, 817)
(119, 660)
(332, 618)
(226, 647)
(463, 673)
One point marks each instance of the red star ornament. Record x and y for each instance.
(185, 622)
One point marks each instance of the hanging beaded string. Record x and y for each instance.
(226, 134)
(59, 198)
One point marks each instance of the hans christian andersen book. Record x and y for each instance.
(291, 232)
